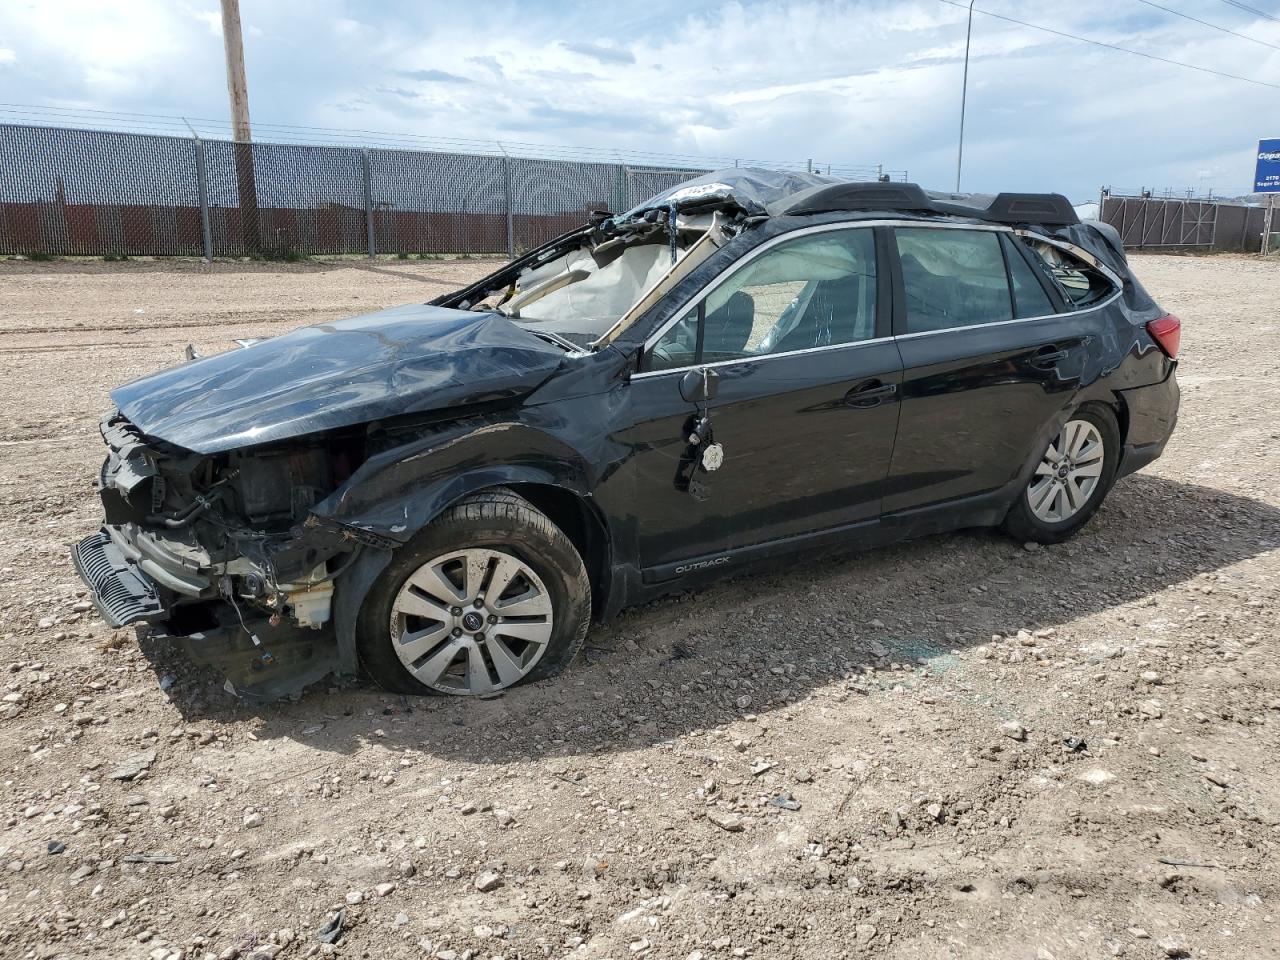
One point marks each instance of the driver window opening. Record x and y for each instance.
(814, 291)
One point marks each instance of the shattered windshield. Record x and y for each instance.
(586, 296)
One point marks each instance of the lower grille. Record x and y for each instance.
(121, 592)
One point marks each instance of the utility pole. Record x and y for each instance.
(238, 94)
(964, 93)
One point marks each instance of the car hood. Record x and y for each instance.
(410, 359)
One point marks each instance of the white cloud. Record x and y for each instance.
(7, 56)
(212, 19)
(843, 82)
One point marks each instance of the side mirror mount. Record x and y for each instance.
(699, 385)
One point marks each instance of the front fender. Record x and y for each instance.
(396, 493)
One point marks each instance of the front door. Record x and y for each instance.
(795, 339)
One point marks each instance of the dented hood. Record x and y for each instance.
(411, 359)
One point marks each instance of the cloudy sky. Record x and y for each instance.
(848, 83)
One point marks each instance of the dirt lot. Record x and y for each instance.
(626, 809)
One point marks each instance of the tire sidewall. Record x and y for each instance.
(553, 558)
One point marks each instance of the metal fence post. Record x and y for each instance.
(1267, 219)
(506, 196)
(368, 200)
(202, 190)
(621, 191)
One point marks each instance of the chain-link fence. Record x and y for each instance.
(71, 192)
(1147, 221)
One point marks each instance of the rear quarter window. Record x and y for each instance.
(1081, 284)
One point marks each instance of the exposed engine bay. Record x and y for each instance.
(234, 559)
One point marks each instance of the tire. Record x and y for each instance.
(410, 622)
(1029, 519)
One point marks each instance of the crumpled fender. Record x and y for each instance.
(396, 493)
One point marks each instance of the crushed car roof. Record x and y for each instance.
(774, 193)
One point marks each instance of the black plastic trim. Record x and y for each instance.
(121, 592)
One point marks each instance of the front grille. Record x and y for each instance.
(122, 593)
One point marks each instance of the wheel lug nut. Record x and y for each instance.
(456, 611)
(479, 601)
(457, 631)
(492, 618)
(479, 638)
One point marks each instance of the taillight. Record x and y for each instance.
(1167, 331)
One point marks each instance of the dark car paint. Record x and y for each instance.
(804, 467)
(618, 442)
(800, 452)
(394, 362)
(974, 399)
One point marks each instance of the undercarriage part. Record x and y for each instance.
(260, 661)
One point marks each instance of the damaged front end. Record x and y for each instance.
(221, 555)
(251, 499)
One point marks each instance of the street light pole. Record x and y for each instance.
(964, 92)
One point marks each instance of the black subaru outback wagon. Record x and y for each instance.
(745, 366)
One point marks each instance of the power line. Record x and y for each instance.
(1187, 16)
(1248, 9)
(1111, 46)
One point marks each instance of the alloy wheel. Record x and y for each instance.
(1068, 474)
(472, 621)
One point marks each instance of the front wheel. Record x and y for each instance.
(489, 595)
(1070, 481)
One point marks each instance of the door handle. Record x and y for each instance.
(870, 394)
(1048, 357)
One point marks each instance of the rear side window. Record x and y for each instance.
(1029, 298)
(952, 278)
(1081, 284)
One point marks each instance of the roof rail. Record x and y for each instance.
(1050, 209)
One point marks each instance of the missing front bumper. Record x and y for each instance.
(137, 578)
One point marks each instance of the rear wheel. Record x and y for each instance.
(489, 595)
(1070, 481)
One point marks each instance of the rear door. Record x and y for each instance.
(796, 336)
(989, 359)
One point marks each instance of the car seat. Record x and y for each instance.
(728, 328)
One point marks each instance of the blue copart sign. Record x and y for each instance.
(1267, 177)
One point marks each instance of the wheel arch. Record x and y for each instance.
(1107, 401)
(1120, 409)
(560, 493)
(580, 519)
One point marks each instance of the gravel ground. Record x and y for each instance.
(862, 756)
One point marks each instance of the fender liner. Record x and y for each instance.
(348, 596)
